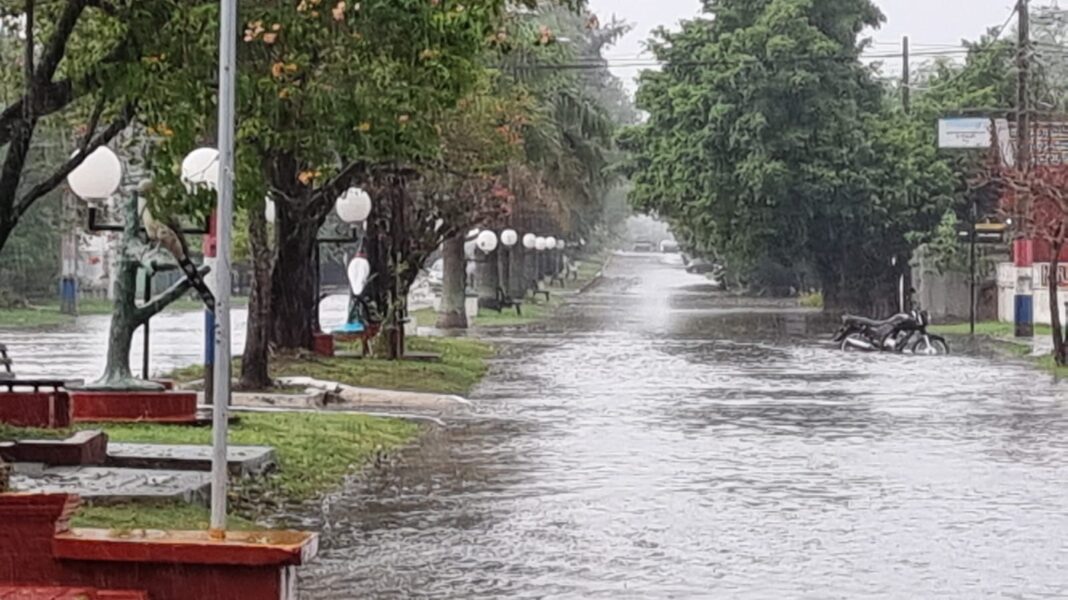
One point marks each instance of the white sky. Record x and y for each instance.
(926, 22)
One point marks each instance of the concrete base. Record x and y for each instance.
(39, 549)
(244, 461)
(140, 407)
(101, 485)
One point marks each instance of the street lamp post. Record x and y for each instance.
(225, 216)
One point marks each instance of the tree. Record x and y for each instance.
(1037, 200)
(331, 95)
(78, 61)
(769, 144)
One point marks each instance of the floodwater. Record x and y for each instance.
(78, 350)
(653, 443)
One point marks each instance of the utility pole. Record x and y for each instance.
(1023, 248)
(906, 105)
(906, 81)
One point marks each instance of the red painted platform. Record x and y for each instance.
(149, 407)
(82, 448)
(19, 592)
(45, 410)
(323, 344)
(38, 548)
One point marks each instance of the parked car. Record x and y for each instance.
(644, 246)
(700, 266)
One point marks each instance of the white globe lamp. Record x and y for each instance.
(487, 241)
(509, 237)
(270, 211)
(561, 244)
(354, 206)
(540, 244)
(358, 272)
(550, 243)
(529, 241)
(98, 177)
(201, 168)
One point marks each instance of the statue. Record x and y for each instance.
(165, 250)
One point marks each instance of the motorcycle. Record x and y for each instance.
(904, 331)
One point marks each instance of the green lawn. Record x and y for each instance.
(316, 451)
(532, 313)
(987, 328)
(1003, 334)
(463, 364)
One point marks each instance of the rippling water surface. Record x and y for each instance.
(654, 444)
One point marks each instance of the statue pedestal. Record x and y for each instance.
(43, 410)
(142, 407)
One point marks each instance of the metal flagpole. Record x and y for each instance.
(220, 408)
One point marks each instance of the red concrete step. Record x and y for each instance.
(16, 592)
(145, 407)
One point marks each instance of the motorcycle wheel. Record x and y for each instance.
(930, 345)
(847, 347)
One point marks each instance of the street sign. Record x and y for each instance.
(965, 133)
(987, 234)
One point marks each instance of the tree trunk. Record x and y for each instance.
(488, 280)
(453, 314)
(255, 371)
(517, 272)
(294, 285)
(504, 268)
(1060, 353)
(533, 270)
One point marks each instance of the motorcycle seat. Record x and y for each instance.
(864, 321)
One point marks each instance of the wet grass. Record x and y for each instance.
(532, 313)
(988, 328)
(462, 366)
(176, 516)
(1003, 338)
(316, 452)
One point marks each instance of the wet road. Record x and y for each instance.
(653, 444)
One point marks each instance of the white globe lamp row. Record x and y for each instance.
(100, 176)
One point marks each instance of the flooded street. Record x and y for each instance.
(652, 443)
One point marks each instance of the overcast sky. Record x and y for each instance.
(926, 22)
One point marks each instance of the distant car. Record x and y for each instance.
(644, 246)
(669, 247)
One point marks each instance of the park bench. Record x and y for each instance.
(9, 381)
(505, 301)
(536, 289)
